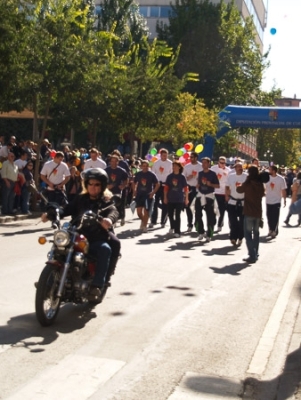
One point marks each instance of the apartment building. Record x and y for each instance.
(158, 10)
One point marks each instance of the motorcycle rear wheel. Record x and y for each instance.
(47, 303)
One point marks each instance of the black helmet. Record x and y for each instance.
(98, 174)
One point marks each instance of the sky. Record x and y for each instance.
(285, 54)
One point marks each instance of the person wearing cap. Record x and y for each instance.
(94, 161)
(235, 204)
(205, 198)
(222, 172)
(175, 197)
(190, 172)
(162, 168)
(144, 187)
(45, 149)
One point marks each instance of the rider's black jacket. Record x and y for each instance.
(83, 203)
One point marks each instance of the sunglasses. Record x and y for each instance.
(94, 184)
(222, 162)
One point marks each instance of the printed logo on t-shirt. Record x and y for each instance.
(113, 177)
(219, 176)
(143, 181)
(161, 169)
(175, 182)
(272, 185)
(194, 173)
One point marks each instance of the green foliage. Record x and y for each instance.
(13, 27)
(216, 44)
(124, 19)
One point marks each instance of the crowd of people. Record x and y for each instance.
(159, 192)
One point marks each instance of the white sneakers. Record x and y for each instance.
(204, 235)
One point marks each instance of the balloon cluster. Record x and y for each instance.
(153, 156)
(184, 152)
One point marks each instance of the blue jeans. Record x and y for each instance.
(102, 252)
(251, 231)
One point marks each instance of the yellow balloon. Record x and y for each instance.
(199, 148)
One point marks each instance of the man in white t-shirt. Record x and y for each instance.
(191, 172)
(95, 161)
(275, 189)
(235, 204)
(56, 174)
(222, 172)
(162, 168)
(22, 161)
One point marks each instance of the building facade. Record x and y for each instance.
(159, 10)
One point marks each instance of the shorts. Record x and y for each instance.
(143, 200)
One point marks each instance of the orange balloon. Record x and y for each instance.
(77, 162)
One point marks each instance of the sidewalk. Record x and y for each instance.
(290, 382)
(4, 219)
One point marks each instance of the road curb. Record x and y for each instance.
(291, 377)
(4, 219)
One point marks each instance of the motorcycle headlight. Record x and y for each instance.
(61, 238)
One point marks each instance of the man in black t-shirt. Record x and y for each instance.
(145, 185)
(118, 180)
(207, 182)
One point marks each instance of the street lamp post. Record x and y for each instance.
(269, 154)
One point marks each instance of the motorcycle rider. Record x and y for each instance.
(104, 245)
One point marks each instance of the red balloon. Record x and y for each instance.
(52, 153)
(186, 156)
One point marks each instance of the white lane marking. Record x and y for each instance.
(262, 353)
(76, 377)
(194, 386)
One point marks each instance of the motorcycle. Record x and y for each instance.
(69, 270)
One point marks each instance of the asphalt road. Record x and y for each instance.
(183, 320)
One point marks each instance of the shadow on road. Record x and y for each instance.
(25, 331)
(27, 231)
(222, 251)
(282, 387)
(232, 269)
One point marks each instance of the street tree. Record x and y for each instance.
(124, 19)
(13, 33)
(218, 45)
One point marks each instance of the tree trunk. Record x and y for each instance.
(40, 140)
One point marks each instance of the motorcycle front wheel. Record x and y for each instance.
(47, 303)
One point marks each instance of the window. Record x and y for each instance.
(154, 12)
(143, 11)
(165, 11)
